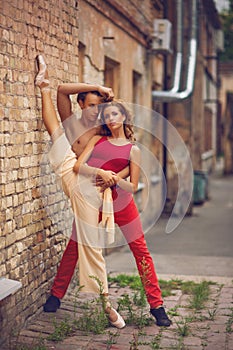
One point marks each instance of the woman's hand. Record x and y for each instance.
(108, 177)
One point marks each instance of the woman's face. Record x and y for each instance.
(113, 117)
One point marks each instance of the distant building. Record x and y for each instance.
(226, 125)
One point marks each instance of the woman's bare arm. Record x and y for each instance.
(134, 172)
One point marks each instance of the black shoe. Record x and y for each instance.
(161, 317)
(52, 304)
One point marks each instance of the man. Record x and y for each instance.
(87, 125)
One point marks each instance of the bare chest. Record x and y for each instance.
(81, 142)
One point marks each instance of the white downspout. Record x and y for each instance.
(173, 95)
(178, 64)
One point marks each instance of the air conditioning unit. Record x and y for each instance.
(219, 40)
(161, 37)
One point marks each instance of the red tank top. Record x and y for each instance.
(108, 156)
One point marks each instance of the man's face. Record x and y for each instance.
(90, 107)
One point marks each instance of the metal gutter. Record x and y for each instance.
(178, 64)
(173, 95)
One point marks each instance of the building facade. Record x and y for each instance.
(107, 42)
(226, 121)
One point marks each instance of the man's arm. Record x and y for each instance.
(65, 90)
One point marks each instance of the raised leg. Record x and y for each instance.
(48, 110)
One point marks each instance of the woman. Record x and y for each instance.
(105, 156)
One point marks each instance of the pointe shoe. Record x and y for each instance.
(41, 78)
(119, 323)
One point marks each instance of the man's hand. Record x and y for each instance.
(106, 92)
(99, 182)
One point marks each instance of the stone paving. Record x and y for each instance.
(210, 328)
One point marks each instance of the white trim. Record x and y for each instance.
(8, 287)
(207, 155)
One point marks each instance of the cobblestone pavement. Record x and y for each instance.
(210, 328)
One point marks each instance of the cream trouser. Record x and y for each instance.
(85, 201)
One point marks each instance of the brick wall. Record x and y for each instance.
(31, 238)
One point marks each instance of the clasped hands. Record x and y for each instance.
(105, 179)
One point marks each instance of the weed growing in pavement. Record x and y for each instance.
(168, 287)
(38, 344)
(123, 280)
(178, 346)
(134, 282)
(135, 316)
(125, 304)
(102, 297)
(36, 347)
(182, 328)
(76, 299)
(94, 319)
(112, 338)
(154, 344)
(134, 343)
(61, 330)
(173, 311)
(200, 294)
(139, 298)
(204, 344)
(199, 291)
(230, 323)
(212, 314)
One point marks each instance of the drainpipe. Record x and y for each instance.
(178, 64)
(177, 73)
(173, 95)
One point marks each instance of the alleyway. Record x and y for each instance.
(200, 249)
(201, 246)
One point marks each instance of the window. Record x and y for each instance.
(111, 75)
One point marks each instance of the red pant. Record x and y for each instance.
(129, 222)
